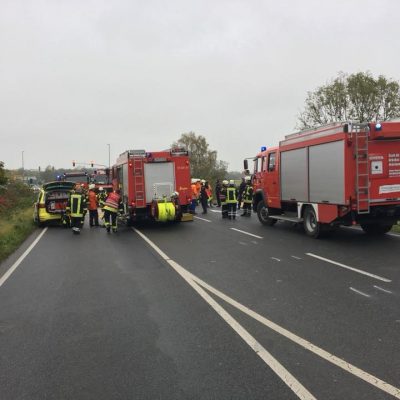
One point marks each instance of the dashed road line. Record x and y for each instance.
(20, 259)
(296, 258)
(380, 278)
(382, 289)
(247, 233)
(352, 369)
(276, 259)
(202, 219)
(359, 292)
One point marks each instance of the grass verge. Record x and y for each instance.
(15, 227)
(396, 228)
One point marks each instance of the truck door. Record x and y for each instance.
(271, 180)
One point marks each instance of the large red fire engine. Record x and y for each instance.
(154, 185)
(339, 174)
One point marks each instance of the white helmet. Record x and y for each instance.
(92, 186)
(194, 180)
(247, 178)
(225, 182)
(101, 188)
(231, 182)
(203, 181)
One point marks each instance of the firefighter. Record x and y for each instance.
(242, 187)
(218, 188)
(222, 196)
(247, 196)
(112, 206)
(195, 195)
(92, 206)
(101, 196)
(204, 196)
(76, 210)
(231, 199)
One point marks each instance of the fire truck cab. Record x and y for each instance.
(154, 185)
(339, 174)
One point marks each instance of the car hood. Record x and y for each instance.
(58, 185)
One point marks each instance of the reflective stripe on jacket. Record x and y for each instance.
(77, 205)
(248, 194)
(231, 195)
(112, 202)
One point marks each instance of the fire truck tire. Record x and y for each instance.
(263, 214)
(376, 229)
(312, 227)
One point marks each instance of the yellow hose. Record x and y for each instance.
(166, 212)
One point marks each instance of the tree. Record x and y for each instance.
(3, 177)
(203, 161)
(358, 97)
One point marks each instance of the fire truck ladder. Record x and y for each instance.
(362, 169)
(138, 178)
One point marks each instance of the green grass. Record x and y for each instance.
(396, 228)
(15, 227)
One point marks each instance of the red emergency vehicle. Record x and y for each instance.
(101, 178)
(81, 178)
(338, 174)
(154, 185)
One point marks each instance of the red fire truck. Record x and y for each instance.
(154, 185)
(339, 174)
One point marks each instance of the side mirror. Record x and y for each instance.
(246, 165)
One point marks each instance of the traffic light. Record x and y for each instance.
(39, 168)
(73, 163)
(91, 164)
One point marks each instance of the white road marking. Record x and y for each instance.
(203, 219)
(20, 259)
(215, 211)
(382, 289)
(359, 292)
(272, 362)
(296, 258)
(380, 278)
(276, 259)
(247, 233)
(243, 243)
(352, 369)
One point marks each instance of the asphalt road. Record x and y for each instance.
(210, 309)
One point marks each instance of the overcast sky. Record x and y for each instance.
(77, 75)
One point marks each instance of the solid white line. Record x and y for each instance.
(272, 362)
(203, 219)
(21, 258)
(380, 278)
(359, 292)
(352, 369)
(382, 289)
(247, 233)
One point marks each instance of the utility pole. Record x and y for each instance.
(108, 155)
(23, 170)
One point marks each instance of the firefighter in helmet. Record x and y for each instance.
(222, 196)
(112, 206)
(76, 209)
(231, 199)
(247, 197)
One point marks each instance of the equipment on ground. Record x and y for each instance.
(154, 185)
(338, 174)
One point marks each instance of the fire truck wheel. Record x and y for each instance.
(311, 225)
(376, 229)
(263, 214)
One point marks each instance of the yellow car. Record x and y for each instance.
(51, 202)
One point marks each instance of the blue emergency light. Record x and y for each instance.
(378, 127)
(263, 148)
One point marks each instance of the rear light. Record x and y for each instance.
(133, 204)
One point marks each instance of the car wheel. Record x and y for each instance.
(263, 214)
(312, 227)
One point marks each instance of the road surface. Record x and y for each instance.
(209, 309)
